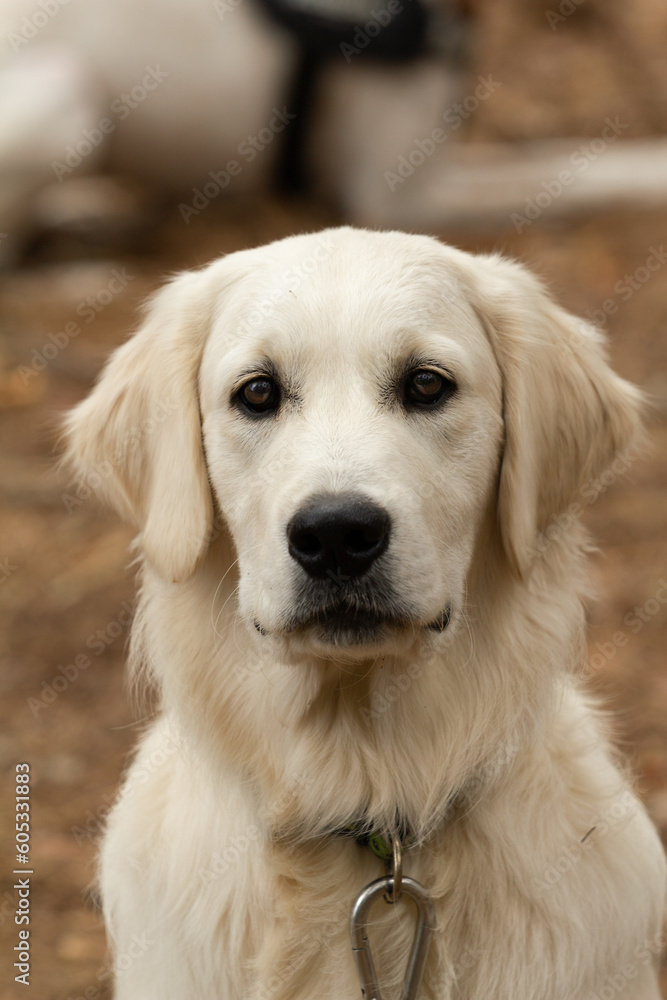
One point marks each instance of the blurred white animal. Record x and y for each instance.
(191, 98)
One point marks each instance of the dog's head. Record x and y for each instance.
(366, 413)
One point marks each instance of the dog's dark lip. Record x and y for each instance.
(342, 627)
(352, 628)
(349, 621)
(346, 619)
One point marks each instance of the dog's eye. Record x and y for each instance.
(425, 387)
(259, 395)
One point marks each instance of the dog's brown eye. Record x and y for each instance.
(259, 395)
(425, 387)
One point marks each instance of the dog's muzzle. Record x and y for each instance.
(344, 592)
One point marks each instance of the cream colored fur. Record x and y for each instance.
(219, 874)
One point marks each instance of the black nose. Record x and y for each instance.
(338, 536)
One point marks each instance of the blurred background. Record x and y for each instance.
(140, 139)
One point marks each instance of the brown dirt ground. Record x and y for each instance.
(64, 576)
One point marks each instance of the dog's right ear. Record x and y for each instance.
(567, 415)
(138, 434)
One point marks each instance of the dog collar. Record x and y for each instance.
(379, 843)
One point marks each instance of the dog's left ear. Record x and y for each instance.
(566, 413)
(137, 438)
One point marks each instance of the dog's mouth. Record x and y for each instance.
(350, 625)
(339, 626)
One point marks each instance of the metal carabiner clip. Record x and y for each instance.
(361, 950)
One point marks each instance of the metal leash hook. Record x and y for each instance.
(394, 868)
(392, 887)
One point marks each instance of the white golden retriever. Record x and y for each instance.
(346, 454)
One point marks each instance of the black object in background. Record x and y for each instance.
(322, 29)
